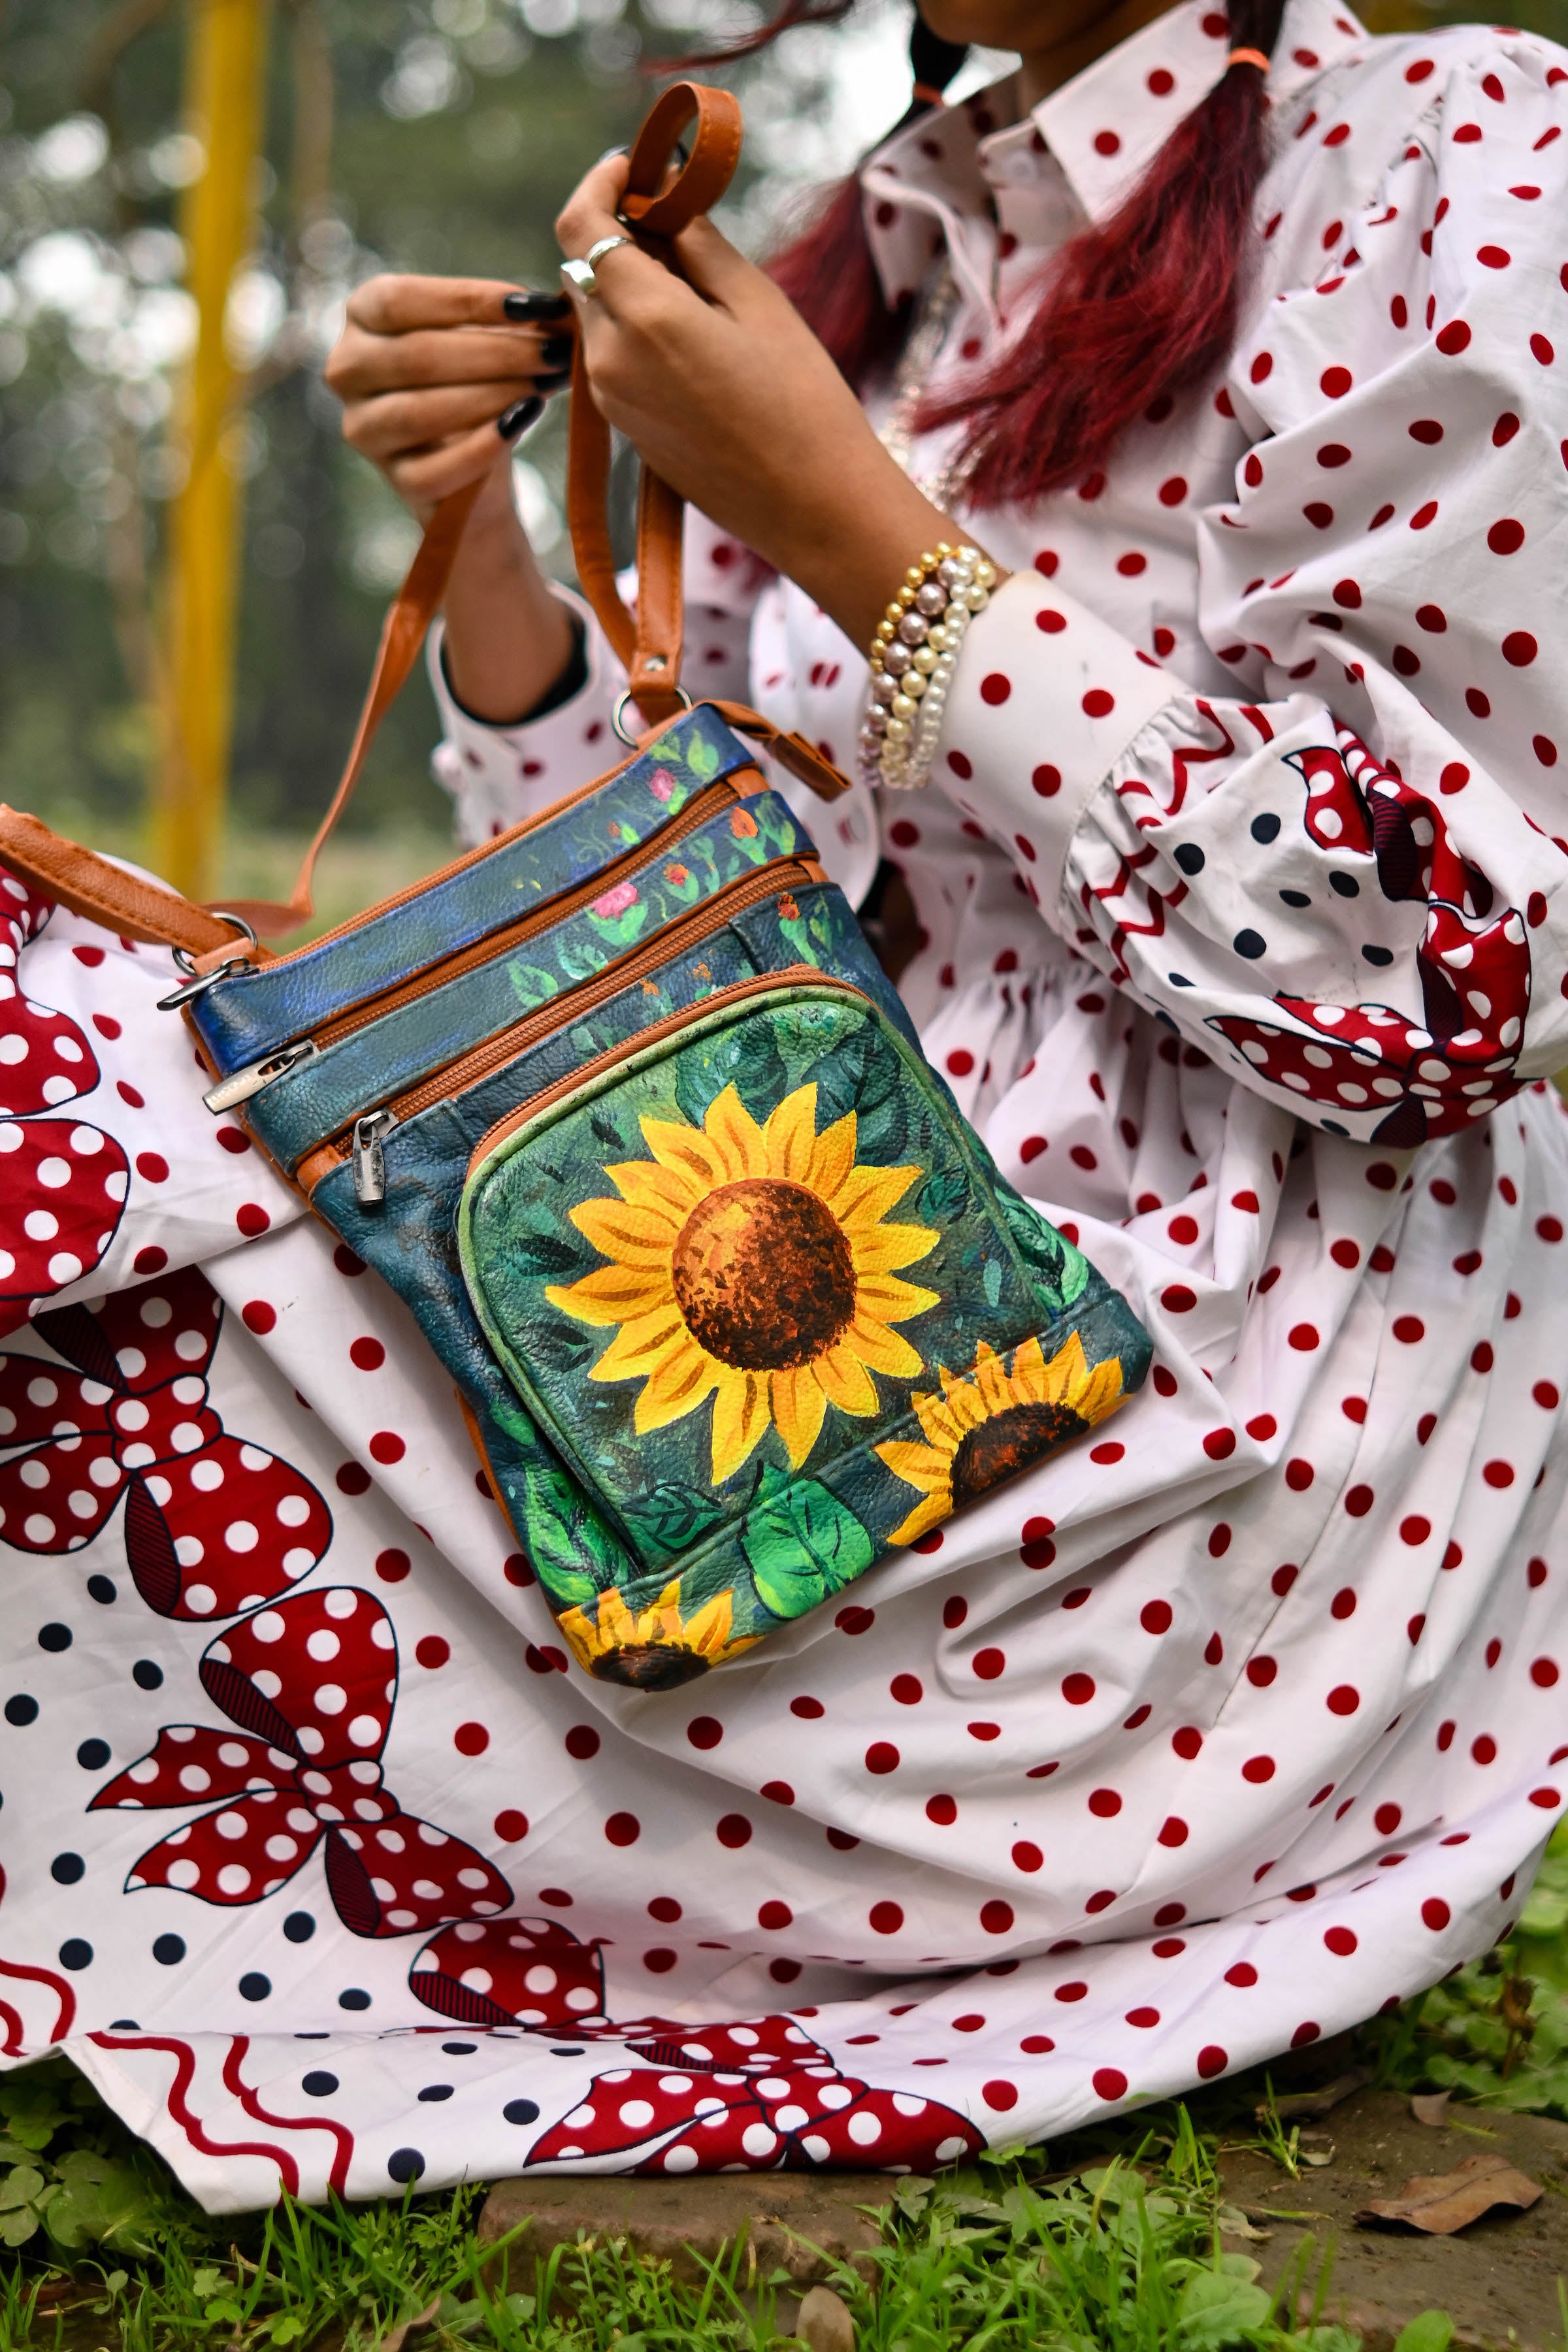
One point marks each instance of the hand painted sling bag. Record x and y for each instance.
(622, 1106)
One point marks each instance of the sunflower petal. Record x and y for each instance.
(991, 1381)
(1029, 1373)
(740, 1420)
(665, 1193)
(1102, 1392)
(789, 1138)
(685, 1150)
(625, 1232)
(844, 1381)
(833, 1158)
(611, 1293)
(925, 1466)
(891, 1299)
(798, 1405)
(736, 1137)
(882, 1350)
(675, 1386)
(929, 1514)
(1066, 1372)
(643, 1344)
(936, 1419)
(884, 1248)
(868, 1194)
(707, 1630)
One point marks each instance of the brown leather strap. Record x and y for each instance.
(90, 885)
(402, 633)
(649, 645)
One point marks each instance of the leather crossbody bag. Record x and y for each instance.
(624, 1106)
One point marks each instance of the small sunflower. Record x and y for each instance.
(655, 1649)
(986, 1429)
(750, 1264)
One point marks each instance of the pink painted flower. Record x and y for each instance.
(661, 784)
(616, 901)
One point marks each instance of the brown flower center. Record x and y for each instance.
(1009, 1442)
(650, 1665)
(763, 1276)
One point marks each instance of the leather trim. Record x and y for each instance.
(100, 892)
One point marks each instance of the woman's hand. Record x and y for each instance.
(437, 377)
(731, 398)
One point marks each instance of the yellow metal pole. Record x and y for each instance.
(225, 78)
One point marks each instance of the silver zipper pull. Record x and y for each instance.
(243, 1084)
(369, 1160)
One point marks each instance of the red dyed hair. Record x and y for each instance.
(1135, 310)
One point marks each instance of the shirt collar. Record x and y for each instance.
(930, 181)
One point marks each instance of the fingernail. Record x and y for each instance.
(611, 152)
(527, 306)
(519, 416)
(555, 351)
(555, 382)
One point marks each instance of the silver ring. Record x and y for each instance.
(618, 715)
(581, 273)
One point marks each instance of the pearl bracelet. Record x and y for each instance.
(913, 657)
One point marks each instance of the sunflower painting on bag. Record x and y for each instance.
(753, 1264)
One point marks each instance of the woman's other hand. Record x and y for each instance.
(437, 377)
(729, 395)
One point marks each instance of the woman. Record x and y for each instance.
(1239, 346)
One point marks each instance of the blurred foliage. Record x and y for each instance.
(435, 136)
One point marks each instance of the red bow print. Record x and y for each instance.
(761, 2096)
(212, 1524)
(512, 1972)
(64, 1183)
(1429, 1078)
(312, 1684)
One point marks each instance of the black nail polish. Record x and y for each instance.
(557, 382)
(530, 307)
(555, 351)
(519, 416)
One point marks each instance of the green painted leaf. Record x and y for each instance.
(700, 756)
(671, 1519)
(574, 1555)
(801, 1544)
(541, 1255)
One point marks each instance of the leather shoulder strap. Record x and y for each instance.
(104, 893)
(649, 645)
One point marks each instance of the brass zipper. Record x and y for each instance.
(738, 991)
(457, 1077)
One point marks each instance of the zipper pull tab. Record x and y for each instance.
(369, 1160)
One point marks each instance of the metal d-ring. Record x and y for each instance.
(198, 984)
(617, 720)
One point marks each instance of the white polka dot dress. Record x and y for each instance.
(1242, 895)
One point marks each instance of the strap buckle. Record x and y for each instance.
(617, 716)
(198, 984)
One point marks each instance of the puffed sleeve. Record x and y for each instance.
(1342, 879)
(497, 775)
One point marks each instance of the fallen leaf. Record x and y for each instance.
(1318, 2103)
(1431, 2106)
(1235, 2223)
(409, 2331)
(1442, 2202)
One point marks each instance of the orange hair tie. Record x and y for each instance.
(1249, 58)
(928, 94)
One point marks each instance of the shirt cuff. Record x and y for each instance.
(1046, 699)
(499, 776)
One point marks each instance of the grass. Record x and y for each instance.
(1118, 2240)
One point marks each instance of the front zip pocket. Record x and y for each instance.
(674, 940)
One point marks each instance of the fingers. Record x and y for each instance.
(589, 212)
(715, 268)
(396, 302)
(394, 425)
(422, 476)
(362, 363)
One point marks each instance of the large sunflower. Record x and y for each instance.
(657, 1648)
(988, 1428)
(752, 1264)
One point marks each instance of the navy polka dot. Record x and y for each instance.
(521, 2111)
(1178, 979)
(168, 1949)
(21, 1709)
(53, 1637)
(1295, 897)
(101, 1589)
(1379, 956)
(299, 1926)
(76, 1953)
(146, 1675)
(1346, 884)
(66, 1868)
(353, 1998)
(319, 2084)
(405, 2164)
(93, 1755)
(1265, 828)
(254, 1986)
(1189, 857)
(434, 2091)
(1252, 944)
